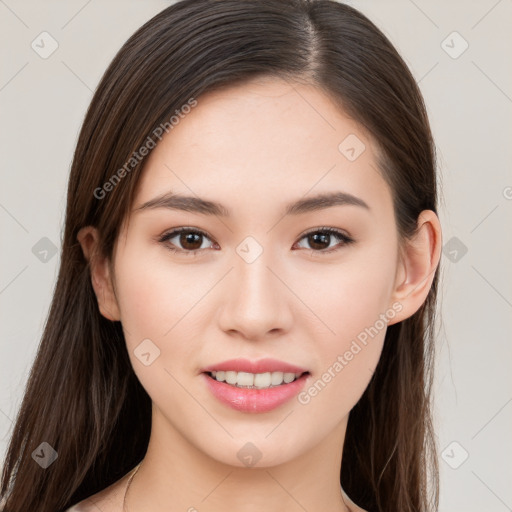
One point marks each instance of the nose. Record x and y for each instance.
(257, 302)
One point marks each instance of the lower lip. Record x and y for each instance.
(254, 400)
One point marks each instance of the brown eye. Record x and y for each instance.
(192, 241)
(189, 242)
(185, 240)
(320, 239)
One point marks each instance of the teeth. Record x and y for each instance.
(258, 380)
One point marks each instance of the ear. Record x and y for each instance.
(100, 273)
(416, 266)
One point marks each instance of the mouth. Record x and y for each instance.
(254, 386)
(254, 393)
(247, 380)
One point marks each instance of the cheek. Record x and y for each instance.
(153, 296)
(161, 304)
(350, 295)
(353, 303)
(347, 358)
(154, 318)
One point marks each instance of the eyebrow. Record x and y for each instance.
(205, 207)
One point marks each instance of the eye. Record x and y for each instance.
(320, 238)
(190, 239)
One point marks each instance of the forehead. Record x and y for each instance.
(265, 141)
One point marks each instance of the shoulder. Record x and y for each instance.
(107, 500)
(89, 506)
(80, 507)
(96, 503)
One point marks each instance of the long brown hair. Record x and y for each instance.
(82, 396)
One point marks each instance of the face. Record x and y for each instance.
(312, 286)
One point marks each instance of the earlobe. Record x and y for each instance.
(418, 262)
(101, 278)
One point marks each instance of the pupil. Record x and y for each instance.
(188, 238)
(324, 239)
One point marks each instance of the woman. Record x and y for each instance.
(244, 313)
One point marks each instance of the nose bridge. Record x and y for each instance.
(255, 285)
(255, 300)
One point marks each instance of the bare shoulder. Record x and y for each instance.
(109, 499)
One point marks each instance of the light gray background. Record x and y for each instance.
(43, 102)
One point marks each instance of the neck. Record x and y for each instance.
(176, 475)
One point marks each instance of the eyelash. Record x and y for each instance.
(346, 240)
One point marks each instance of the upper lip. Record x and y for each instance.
(260, 366)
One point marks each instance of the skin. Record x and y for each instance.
(255, 148)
